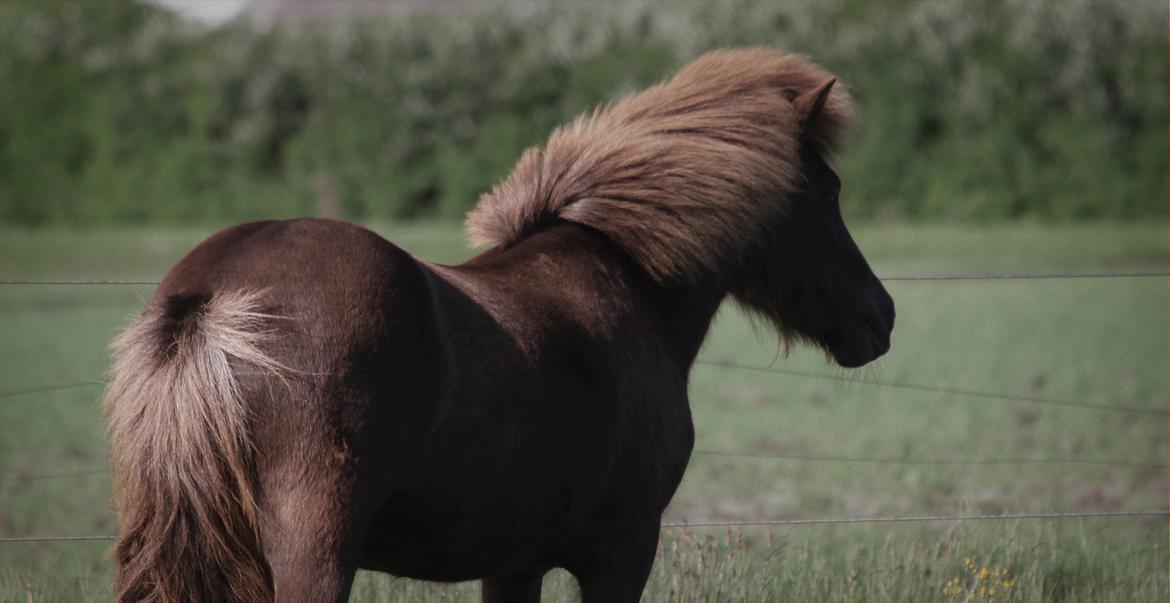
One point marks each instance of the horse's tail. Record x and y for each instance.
(182, 454)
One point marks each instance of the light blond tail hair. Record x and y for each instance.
(182, 454)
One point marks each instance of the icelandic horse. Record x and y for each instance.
(302, 398)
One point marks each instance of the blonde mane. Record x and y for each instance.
(684, 175)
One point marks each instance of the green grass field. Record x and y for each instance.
(1099, 341)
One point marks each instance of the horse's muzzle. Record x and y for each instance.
(870, 340)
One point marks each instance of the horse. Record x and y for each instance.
(302, 398)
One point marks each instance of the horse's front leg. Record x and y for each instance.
(516, 588)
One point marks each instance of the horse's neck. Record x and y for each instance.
(576, 257)
(689, 312)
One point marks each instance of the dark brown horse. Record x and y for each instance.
(302, 398)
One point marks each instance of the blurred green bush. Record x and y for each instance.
(120, 112)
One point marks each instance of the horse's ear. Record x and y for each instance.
(810, 103)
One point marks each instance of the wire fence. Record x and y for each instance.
(919, 387)
(1165, 513)
(1005, 276)
(55, 538)
(936, 389)
(1012, 276)
(674, 525)
(812, 458)
(48, 476)
(912, 519)
(942, 462)
(76, 281)
(16, 393)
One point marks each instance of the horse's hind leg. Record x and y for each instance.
(306, 575)
(314, 519)
(517, 588)
(311, 553)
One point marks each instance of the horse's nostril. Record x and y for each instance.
(877, 322)
(880, 316)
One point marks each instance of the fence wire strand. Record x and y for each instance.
(55, 538)
(933, 388)
(75, 281)
(36, 478)
(944, 462)
(765, 522)
(894, 278)
(48, 388)
(1022, 276)
(4, 478)
(936, 389)
(910, 519)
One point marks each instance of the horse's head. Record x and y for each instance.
(808, 277)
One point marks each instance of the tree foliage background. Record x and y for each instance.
(121, 112)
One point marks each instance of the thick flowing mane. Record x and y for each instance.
(684, 175)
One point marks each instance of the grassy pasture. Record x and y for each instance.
(1102, 341)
